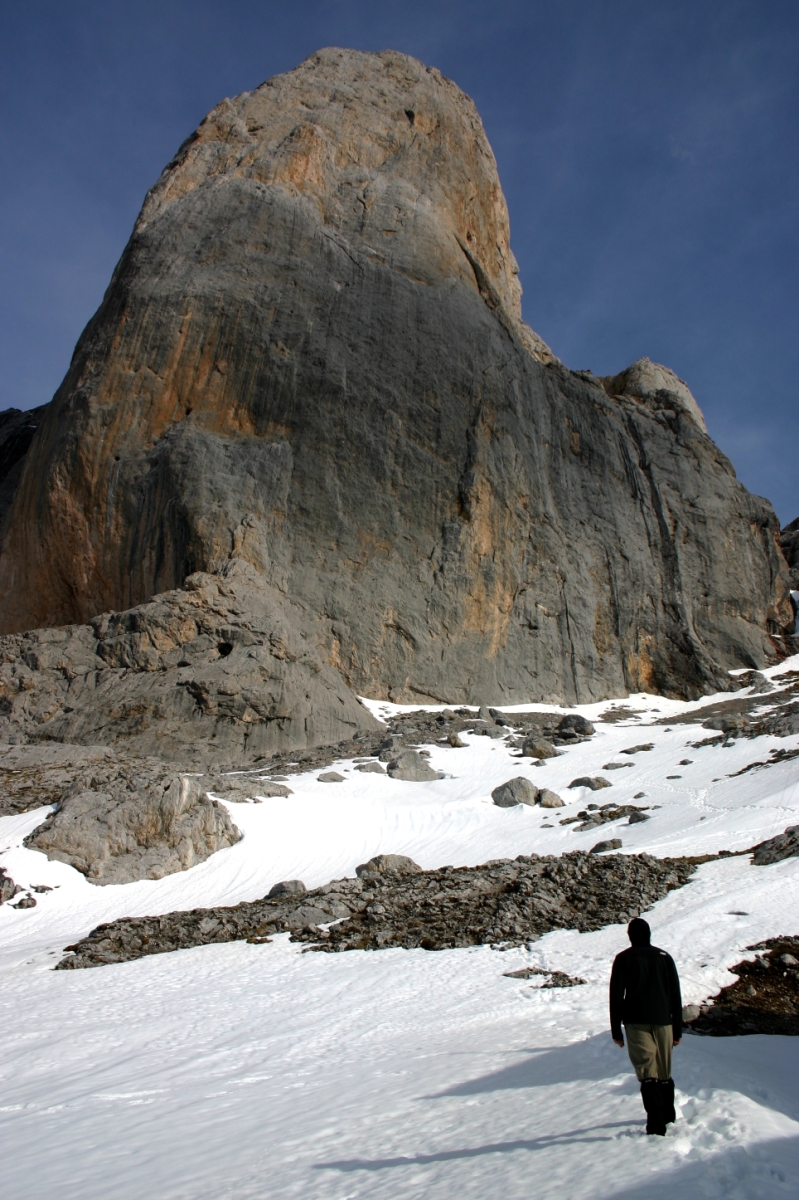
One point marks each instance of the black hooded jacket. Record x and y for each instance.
(645, 990)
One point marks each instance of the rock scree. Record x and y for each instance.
(392, 902)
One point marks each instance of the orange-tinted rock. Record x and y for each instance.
(311, 358)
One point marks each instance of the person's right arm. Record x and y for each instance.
(616, 998)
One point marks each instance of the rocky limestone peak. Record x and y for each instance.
(388, 155)
(646, 380)
(310, 367)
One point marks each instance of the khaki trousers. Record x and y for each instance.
(649, 1048)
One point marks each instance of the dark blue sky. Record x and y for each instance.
(649, 153)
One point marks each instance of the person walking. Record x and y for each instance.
(645, 998)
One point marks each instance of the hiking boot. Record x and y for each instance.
(667, 1100)
(653, 1098)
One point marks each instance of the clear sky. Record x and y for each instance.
(649, 152)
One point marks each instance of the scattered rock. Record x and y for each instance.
(504, 902)
(411, 767)
(538, 748)
(614, 766)
(636, 818)
(330, 777)
(455, 741)
(241, 787)
(27, 901)
(552, 979)
(610, 844)
(373, 768)
(639, 749)
(516, 791)
(592, 816)
(287, 887)
(549, 799)
(594, 782)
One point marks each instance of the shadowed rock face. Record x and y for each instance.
(311, 359)
(789, 540)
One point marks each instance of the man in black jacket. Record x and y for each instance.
(645, 997)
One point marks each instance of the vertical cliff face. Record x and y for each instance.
(311, 357)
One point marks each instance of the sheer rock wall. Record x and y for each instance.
(311, 359)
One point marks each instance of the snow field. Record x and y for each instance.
(259, 1071)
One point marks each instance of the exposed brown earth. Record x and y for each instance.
(764, 998)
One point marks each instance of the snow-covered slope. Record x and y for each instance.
(253, 1071)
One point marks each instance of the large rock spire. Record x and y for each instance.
(311, 360)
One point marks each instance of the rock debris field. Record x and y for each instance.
(510, 902)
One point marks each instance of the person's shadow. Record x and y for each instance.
(596, 1058)
(592, 1059)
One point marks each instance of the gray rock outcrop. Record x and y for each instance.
(776, 849)
(213, 674)
(134, 826)
(311, 358)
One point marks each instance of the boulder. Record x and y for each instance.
(331, 777)
(610, 844)
(134, 821)
(373, 768)
(8, 888)
(549, 799)
(594, 782)
(537, 747)
(516, 791)
(411, 767)
(287, 887)
(383, 864)
(576, 724)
